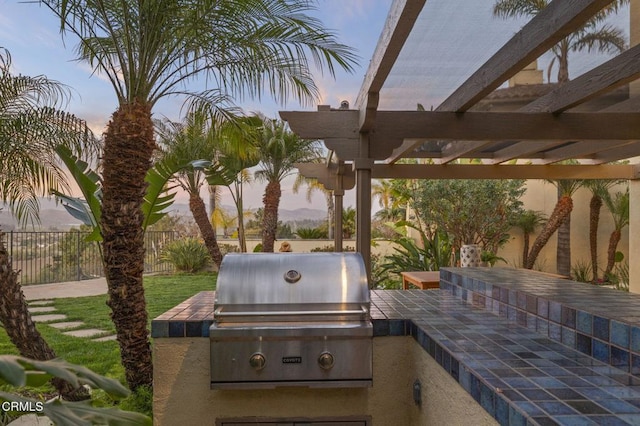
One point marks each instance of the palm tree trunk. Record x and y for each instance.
(19, 326)
(614, 239)
(560, 212)
(594, 218)
(128, 146)
(525, 249)
(271, 202)
(563, 248)
(199, 213)
(331, 214)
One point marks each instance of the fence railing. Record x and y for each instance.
(45, 257)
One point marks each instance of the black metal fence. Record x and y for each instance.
(45, 257)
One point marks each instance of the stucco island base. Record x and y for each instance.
(181, 393)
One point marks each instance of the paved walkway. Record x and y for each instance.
(83, 288)
(41, 302)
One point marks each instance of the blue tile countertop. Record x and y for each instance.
(519, 374)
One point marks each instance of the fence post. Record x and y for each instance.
(11, 246)
(78, 256)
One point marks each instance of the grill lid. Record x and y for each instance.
(302, 284)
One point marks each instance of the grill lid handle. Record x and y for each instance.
(220, 313)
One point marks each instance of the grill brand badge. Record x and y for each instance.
(292, 360)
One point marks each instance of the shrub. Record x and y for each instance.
(581, 271)
(186, 255)
(329, 249)
(311, 233)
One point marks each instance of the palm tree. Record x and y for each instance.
(598, 188)
(388, 198)
(279, 149)
(562, 210)
(314, 185)
(348, 222)
(153, 49)
(31, 127)
(193, 140)
(528, 221)
(591, 36)
(618, 205)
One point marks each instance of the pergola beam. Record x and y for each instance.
(480, 171)
(579, 150)
(614, 73)
(556, 21)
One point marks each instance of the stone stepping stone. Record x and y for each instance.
(87, 332)
(105, 338)
(66, 325)
(41, 303)
(49, 317)
(31, 420)
(40, 309)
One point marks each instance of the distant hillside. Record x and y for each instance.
(56, 217)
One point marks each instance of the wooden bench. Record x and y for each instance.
(424, 280)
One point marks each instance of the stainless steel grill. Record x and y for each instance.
(291, 319)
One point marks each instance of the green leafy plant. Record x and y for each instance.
(311, 233)
(186, 255)
(330, 249)
(581, 271)
(433, 253)
(490, 258)
(19, 372)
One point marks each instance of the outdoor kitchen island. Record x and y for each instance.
(491, 346)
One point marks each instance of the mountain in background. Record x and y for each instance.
(54, 217)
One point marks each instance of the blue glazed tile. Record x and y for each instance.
(548, 382)
(532, 304)
(487, 399)
(586, 407)
(583, 343)
(474, 387)
(502, 410)
(465, 379)
(516, 418)
(504, 295)
(159, 329)
(511, 313)
(176, 328)
(396, 327)
(569, 337)
(503, 309)
(555, 312)
(521, 318)
(206, 325)
(193, 329)
(635, 365)
(541, 421)
(542, 326)
(577, 421)
(446, 361)
(513, 298)
(619, 358)
(635, 339)
(600, 351)
(529, 408)
(568, 317)
(556, 408)
(543, 307)
(619, 406)
(495, 292)
(601, 328)
(380, 327)
(584, 322)
(521, 300)
(532, 322)
(555, 331)
(488, 289)
(620, 334)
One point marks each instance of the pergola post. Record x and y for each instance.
(363, 166)
(634, 231)
(338, 195)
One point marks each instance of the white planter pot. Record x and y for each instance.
(470, 256)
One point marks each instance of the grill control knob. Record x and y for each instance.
(257, 361)
(325, 360)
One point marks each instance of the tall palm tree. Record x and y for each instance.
(313, 185)
(598, 188)
(31, 127)
(152, 49)
(618, 205)
(561, 211)
(195, 139)
(528, 221)
(592, 36)
(279, 149)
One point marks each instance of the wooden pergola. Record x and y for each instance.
(564, 123)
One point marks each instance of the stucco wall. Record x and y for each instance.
(182, 394)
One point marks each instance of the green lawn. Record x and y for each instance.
(162, 293)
